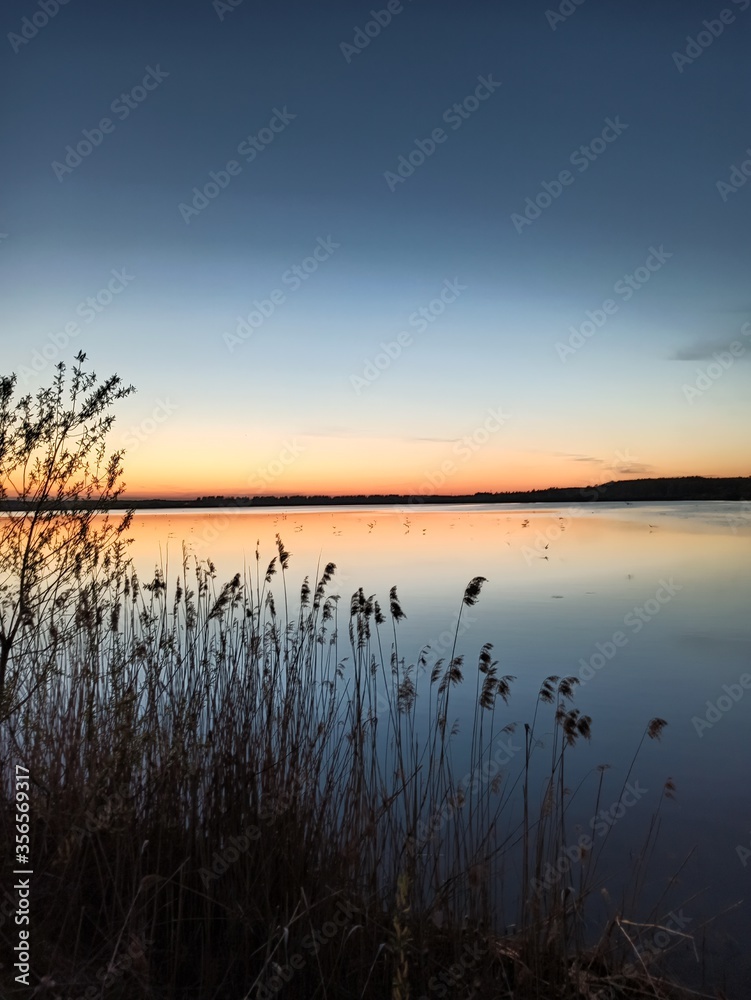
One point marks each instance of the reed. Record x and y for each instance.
(232, 798)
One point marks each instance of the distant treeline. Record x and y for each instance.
(645, 490)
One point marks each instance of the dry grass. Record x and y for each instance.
(231, 800)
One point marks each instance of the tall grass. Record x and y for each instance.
(236, 798)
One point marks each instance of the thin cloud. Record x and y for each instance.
(436, 440)
(705, 350)
(626, 466)
(632, 470)
(350, 432)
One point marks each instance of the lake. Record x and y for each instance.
(647, 604)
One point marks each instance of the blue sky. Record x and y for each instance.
(297, 394)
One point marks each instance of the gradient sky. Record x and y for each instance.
(294, 407)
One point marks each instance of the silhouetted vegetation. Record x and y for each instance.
(235, 795)
(229, 798)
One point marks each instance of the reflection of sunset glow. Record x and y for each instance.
(513, 546)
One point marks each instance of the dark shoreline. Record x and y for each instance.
(684, 489)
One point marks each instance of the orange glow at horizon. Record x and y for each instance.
(336, 481)
(339, 465)
(336, 486)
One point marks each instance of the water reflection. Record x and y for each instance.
(646, 604)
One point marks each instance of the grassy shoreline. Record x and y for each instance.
(232, 796)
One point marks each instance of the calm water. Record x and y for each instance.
(649, 604)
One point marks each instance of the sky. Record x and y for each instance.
(392, 247)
